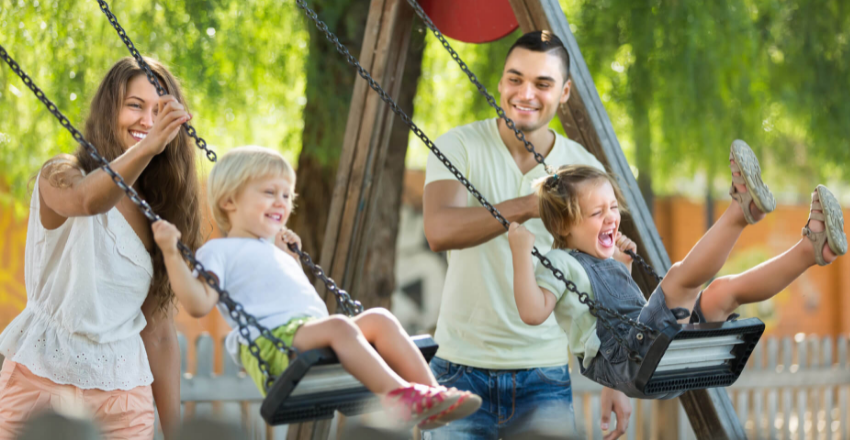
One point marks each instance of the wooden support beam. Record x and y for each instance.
(585, 120)
(367, 135)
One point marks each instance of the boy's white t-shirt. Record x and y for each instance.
(268, 283)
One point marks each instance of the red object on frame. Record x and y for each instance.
(472, 21)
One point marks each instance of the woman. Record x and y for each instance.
(97, 334)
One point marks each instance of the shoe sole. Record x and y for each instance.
(463, 408)
(434, 411)
(833, 221)
(751, 171)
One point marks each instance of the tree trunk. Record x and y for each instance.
(643, 153)
(377, 282)
(330, 81)
(640, 92)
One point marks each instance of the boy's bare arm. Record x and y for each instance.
(197, 297)
(285, 238)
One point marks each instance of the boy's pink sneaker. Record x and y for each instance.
(464, 406)
(415, 404)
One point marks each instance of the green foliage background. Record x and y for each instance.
(679, 79)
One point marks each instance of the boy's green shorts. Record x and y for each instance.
(277, 360)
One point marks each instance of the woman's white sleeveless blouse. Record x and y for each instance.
(86, 281)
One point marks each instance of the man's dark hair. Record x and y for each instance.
(544, 41)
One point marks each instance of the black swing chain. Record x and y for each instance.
(594, 307)
(644, 265)
(501, 112)
(474, 79)
(235, 309)
(344, 300)
(199, 141)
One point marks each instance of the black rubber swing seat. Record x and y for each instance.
(315, 385)
(695, 356)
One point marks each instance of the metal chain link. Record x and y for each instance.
(349, 306)
(344, 301)
(235, 309)
(500, 111)
(644, 265)
(584, 298)
(481, 89)
(200, 142)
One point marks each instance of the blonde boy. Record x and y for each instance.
(251, 190)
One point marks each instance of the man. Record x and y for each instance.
(520, 371)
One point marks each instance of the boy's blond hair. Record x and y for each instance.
(235, 169)
(558, 197)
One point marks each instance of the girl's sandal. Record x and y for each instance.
(833, 223)
(748, 165)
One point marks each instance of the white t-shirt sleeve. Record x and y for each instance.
(573, 316)
(213, 258)
(567, 265)
(451, 145)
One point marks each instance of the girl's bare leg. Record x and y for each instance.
(685, 279)
(383, 330)
(353, 350)
(762, 282)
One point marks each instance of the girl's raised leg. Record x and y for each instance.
(764, 281)
(685, 279)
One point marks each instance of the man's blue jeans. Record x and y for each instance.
(516, 403)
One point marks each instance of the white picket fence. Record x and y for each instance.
(230, 397)
(793, 389)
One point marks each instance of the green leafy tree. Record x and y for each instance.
(699, 74)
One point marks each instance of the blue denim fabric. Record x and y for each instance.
(613, 287)
(515, 404)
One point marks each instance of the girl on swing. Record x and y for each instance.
(581, 207)
(251, 193)
(97, 335)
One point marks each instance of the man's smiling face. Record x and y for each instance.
(532, 87)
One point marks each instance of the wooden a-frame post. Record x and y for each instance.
(367, 137)
(585, 120)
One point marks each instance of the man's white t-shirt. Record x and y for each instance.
(479, 324)
(268, 283)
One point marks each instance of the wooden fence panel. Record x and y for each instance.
(843, 427)
(772, 395)
(787, 357)
(758, 429)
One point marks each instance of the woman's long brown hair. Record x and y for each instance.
(169, 183)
